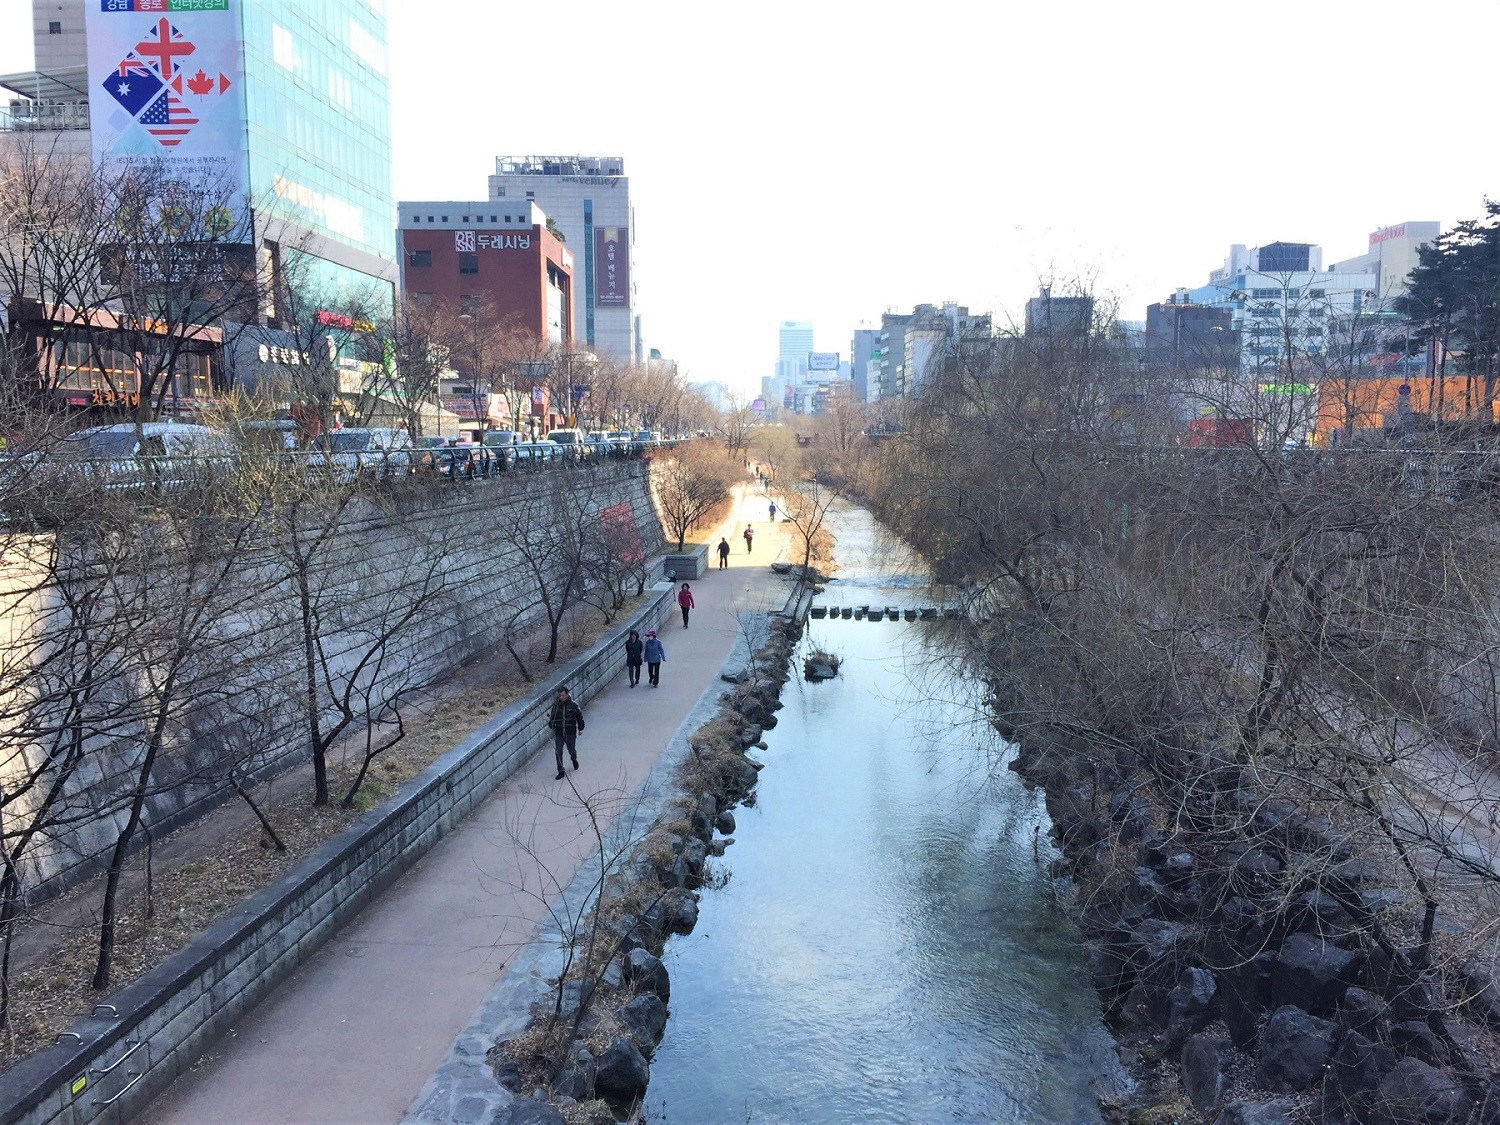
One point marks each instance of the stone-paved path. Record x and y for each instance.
(355, 1034)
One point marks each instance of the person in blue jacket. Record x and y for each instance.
(654, 654)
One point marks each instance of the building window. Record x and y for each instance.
(468, 263)
(531, 195)
(445, 218)
(281, 47)
(499, 193)
(421, 258)
(429, 218)
(468, 304)
(1265, 294)
(1317, 292)
(422, 298)
(492, 219)
(54, 28)
(466, 218)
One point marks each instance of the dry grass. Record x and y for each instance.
(225, 868)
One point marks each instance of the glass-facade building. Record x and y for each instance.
(289, 99)
(318, 127)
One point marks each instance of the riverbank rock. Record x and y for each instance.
(1294, 1046)
(577, 1082)
(725, 823)
(1194, 1002)
(623, 1073)
(1311, 973)
(1477, 989)
(1205, 1061)
(644, 1019)
(1414, 1092)
(529, 1111)
(1354, 1072)
(1278, 1112)
(642, 967)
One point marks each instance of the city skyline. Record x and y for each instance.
(1125, 157)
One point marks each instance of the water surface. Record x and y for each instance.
(887, 947)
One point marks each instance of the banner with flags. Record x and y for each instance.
(166, 84)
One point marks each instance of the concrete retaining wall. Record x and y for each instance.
(466, 537)
(112, 1065)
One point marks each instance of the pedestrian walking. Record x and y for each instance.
(634, 653)
(749, 537)
(684, 602)
(655, 654)
(723, 553)
(773, 511)
(566, 724)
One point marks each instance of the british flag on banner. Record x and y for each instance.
(134, 85)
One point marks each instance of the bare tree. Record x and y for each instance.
(690, 481)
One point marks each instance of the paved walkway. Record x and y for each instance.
(354, 1035)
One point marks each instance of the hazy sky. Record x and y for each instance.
(831, 160)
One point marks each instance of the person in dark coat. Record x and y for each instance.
(685, 602)
(634, 648)
(566, 724)
(749, 534)
(655, 654)
(723, 552)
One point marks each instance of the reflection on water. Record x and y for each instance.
(887, 948)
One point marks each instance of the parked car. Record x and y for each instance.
(502, 438)
(127, 455)
(532, 455)
(573, 441)
(357, 451)
(461, 461)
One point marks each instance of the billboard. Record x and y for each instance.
(166, 83)
(611, 268)
(822, 361)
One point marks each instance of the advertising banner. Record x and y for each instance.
(166, 84)
(822, 361)
(611, 268)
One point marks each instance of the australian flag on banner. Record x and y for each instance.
(133, 84)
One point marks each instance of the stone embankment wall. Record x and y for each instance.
(454, 550)
(1243, 953)
(109, 1067)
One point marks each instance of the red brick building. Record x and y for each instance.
(495, 260)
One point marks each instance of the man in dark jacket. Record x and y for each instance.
(634, 647)
(566, 724)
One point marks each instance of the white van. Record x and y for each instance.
(357, 450)
(127, 455)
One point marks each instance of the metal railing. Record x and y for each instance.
(20, 115)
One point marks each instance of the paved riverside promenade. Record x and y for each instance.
(358, 1030)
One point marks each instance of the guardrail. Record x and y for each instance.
(36, 484)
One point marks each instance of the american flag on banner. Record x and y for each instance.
(168, 120)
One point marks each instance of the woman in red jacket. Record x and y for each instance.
(684, 602)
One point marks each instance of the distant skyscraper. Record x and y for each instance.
(796, 340)
(864, 347)
(588, 198)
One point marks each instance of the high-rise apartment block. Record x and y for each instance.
(588, 200)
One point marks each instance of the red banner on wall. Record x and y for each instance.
(611, 267)
(621, 536)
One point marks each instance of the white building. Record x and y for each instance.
(588, 198)
(1284, 304)
(1391, 256)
